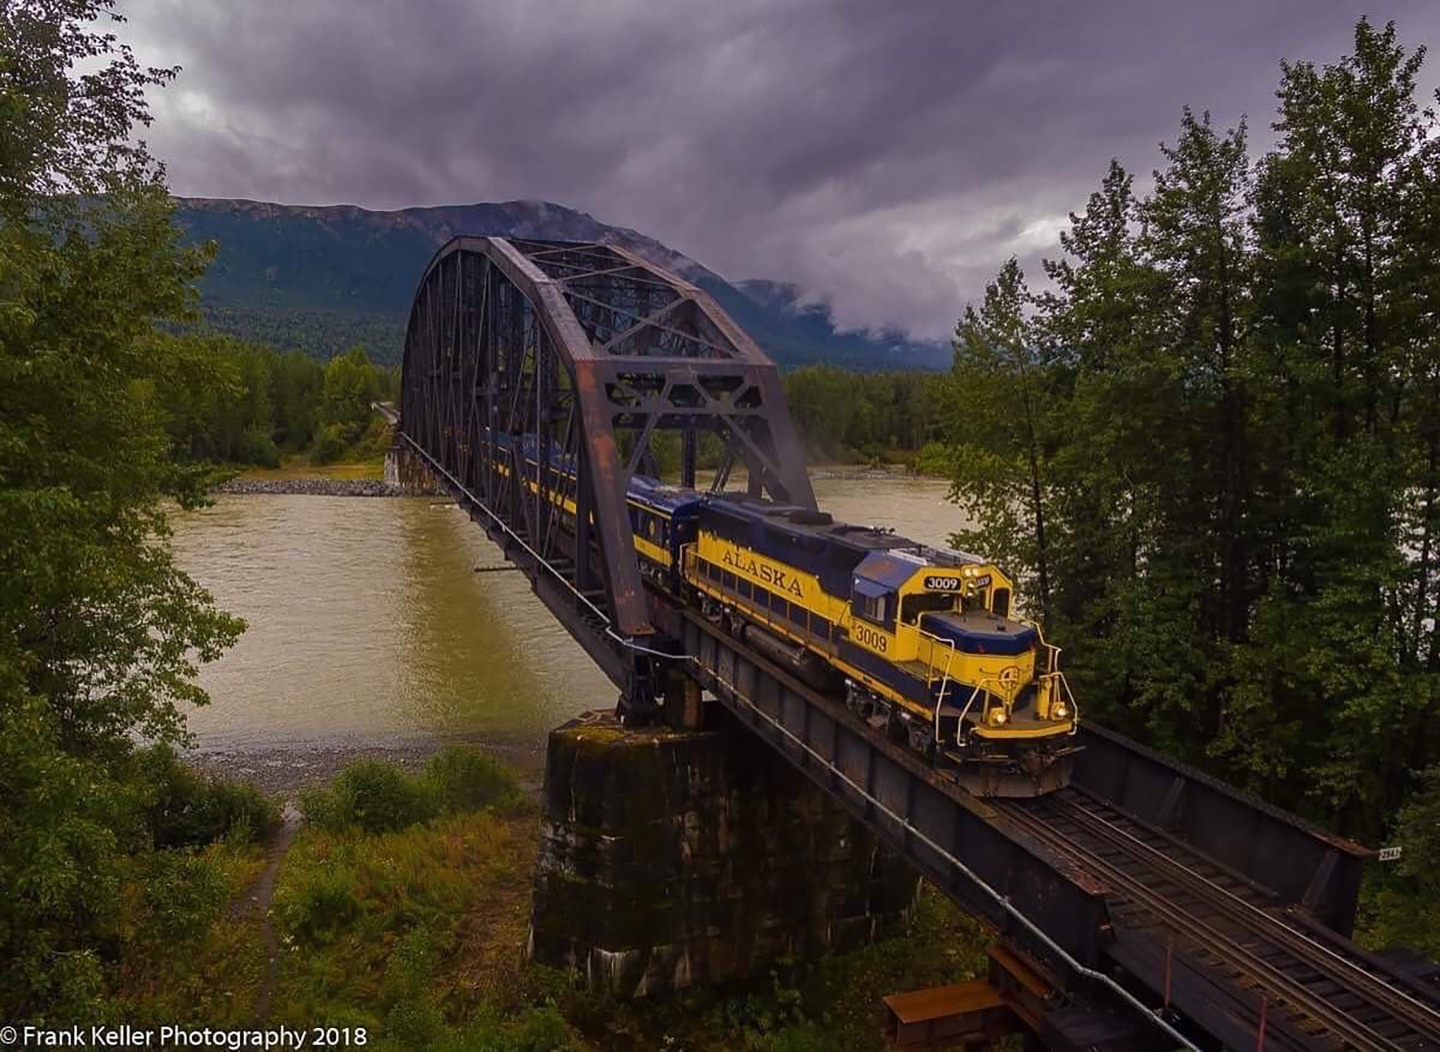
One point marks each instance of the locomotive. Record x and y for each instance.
(921, 642)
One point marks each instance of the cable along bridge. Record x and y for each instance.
(1157, 907)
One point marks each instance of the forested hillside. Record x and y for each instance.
(1212, 445)
(321, 280)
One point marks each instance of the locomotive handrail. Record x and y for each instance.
(1052, 652)
(1053, 673)
(945, 680)
(1070, 697)
(949, 643)
(969, 705)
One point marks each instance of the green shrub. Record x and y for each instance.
(323, 906)
(371, 796)
(181, 895)
(1397, 906)
(415, 1023)
(410, 967)
(535, 1030)
(934, 459)
(329, 445)
(379, 798)
(465, 779)
(189, 809)
(805, 1037)
(258, 447)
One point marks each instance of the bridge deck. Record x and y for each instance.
(1078, 882)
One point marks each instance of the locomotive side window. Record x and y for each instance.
(874, 607)
(1000, 602)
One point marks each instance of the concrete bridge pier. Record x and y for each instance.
(670, 857)
(405, 471)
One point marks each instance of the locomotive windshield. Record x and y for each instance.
(912, 606)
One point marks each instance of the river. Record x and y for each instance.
(368, 625)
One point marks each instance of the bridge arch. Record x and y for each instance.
(585, 350)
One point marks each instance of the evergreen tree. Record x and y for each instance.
(1003, 428)
(1096, 327)
(1237, 380)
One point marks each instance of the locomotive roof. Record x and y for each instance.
(801, 522)
(661, 494)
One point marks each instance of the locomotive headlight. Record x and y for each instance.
(998, 717)
(1060, 712)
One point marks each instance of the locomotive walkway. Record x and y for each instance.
(1159, 908)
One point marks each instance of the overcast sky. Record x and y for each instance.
(886, 156)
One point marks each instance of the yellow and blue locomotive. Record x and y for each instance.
(921, 641)
(921, 638)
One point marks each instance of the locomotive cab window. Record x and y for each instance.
(873, 607)
(912, 606)
(872, 601)
(1000, 602)
(974, 601)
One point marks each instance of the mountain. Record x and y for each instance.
(320, 279)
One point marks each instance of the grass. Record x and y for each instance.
(404, 908)
(368, 921)
(299, 467)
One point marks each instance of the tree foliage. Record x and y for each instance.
(1210, 447)
(100, 632)
(232, 403)
(842, 414)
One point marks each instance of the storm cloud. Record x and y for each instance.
(885, 157)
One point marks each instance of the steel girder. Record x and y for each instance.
(586, 351)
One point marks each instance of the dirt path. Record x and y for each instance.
(257, 898)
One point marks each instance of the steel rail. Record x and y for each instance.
(1423, 1018)
(1287, 990)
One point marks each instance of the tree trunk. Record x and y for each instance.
(1042, 567)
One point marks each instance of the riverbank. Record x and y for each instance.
(286, 771)
(309, 487)
(869, 473)
(342, 487)
(299, 466)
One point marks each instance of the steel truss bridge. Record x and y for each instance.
(1145, 907)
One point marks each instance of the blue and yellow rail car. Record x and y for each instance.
(662, 517)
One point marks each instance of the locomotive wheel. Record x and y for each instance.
(859, 704)
(895, 727)
(921, 737)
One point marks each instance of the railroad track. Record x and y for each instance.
(1331, 993)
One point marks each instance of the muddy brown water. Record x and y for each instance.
(370, 631)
